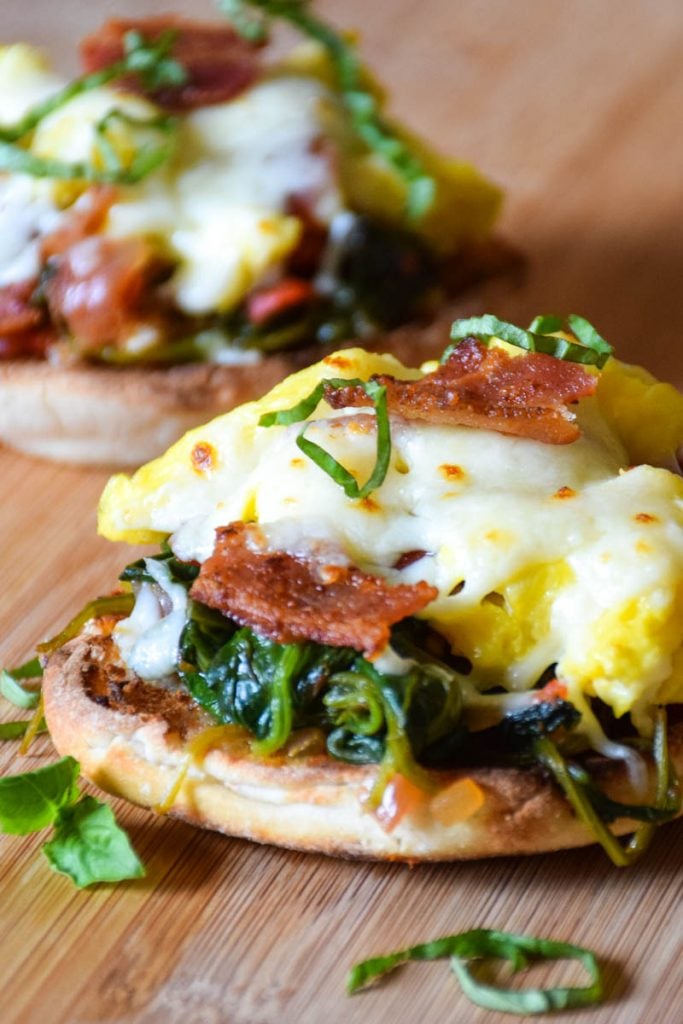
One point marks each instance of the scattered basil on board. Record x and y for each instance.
(87, 844)
(483, 944)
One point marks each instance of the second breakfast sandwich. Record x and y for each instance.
(193, 219)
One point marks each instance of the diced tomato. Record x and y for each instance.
(23, 334)
(32, 344)
(16, 312)
(267, 303)
(305, 259)
(400, 797)
(553, 690)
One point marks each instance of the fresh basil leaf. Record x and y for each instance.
(483, 943)
(13, 730)
(151, 61)
(329, 465)
(250, 26)
(33, 800)
(31, 669)
(89, 846)
(588, 335)
(486, 327)
(546, 323)
(12, 690)
(590, 350)
(301, 411)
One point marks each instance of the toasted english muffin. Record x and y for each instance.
(136, 742)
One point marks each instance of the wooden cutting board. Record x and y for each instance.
(575, 107)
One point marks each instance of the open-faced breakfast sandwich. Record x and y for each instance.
(194, 217)
(401, 613)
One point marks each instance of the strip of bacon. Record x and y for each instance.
(16, 312)
(291, 599)
(23, 330)
(219, 62)
(524, 395)
(99, 290)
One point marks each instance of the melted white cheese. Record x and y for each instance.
(25, 80)
(149, 638)
(220, 207)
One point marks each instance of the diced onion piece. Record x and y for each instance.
(457, 802)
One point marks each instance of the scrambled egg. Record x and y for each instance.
(541, 554)
(219, 207)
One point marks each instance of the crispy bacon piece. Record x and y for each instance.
(23, 331)
(305, 259)
(16, 312)
(290, 599)
(218, 61)
(100, 288)
(477, 386)
(31, 344)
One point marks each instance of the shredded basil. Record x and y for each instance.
(596, 810)
(483, 943)
(323, 459)
(589, 348)
(87, 844)
(151, 63)
(251, 18)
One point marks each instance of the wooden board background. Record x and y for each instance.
(575, 107)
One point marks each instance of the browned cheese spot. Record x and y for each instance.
(204, 457)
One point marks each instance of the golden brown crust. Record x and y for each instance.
(137, 747)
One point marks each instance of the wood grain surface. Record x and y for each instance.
(574, 106)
